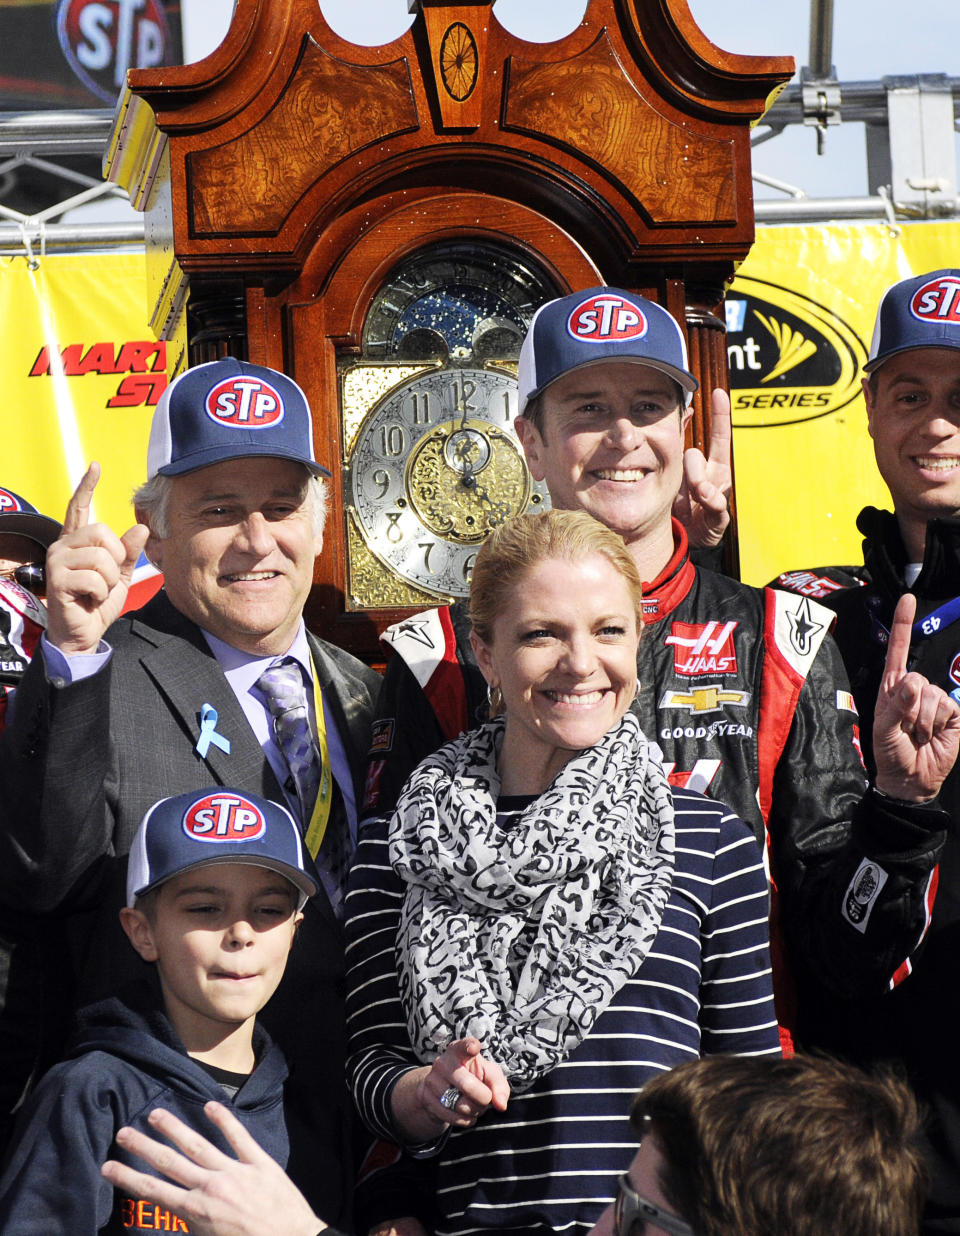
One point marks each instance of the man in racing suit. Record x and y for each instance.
(912, 393)
(743, 689)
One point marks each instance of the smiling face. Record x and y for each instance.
(238, 559)
(220, 936)
(564, 655)
(611, 443)
(914, 419)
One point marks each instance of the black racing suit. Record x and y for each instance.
(917, 1022)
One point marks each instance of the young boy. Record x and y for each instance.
(216, 884)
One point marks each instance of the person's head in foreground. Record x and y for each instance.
(216, 884)
(604, 399)
(556, 607)
(25, 535)
(912, 393)
(742, 1146)
(234, 502)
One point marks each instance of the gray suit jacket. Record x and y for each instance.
(83, 762)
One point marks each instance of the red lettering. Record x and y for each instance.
(41, 365)
(99, 358)
(71, 359)
(134, 357)
(134, 391)
(127, 1212)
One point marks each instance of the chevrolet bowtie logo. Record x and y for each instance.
(704, 699)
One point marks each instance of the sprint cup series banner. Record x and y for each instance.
(81, 373)
(799, 322)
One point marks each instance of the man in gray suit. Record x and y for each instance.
(118, 712)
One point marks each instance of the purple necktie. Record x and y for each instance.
(283, 690)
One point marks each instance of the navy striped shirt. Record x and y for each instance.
(549, 1163)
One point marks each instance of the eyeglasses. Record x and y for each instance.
(631, 1208)
(31, 575)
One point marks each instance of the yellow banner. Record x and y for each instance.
(799, 322)
(82, 374)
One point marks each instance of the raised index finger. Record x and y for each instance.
(898, 646)
(78, 508)
(721, 432)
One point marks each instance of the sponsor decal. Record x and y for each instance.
(803, 628)
(140, 1216)
(702, 648)
(244, 403)
(937, 301)
(846, 702)
(8, 502)
(791, 359)
(606, 319)
(420, 630)
(808, 584)
(862, 893)
(716, 729)
(101, 39)
(144, 361)
(857, 745)
(381, 739)
(224, 817)
(954, 665)
(704, 699)
(371, 786)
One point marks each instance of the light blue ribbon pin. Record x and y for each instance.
(208, 732)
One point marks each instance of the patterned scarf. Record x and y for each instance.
(523, 937)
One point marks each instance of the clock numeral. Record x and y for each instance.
(380, 478)
(507, 411)
(467, 569)
(392, 440)
(420, 405)
(393, 533)
(463, 390)
(427, 547)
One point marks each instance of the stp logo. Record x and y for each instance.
(245, 403)
(224, 817)
(9, 502)
(607, 319)
(102, 40)
(938, 301)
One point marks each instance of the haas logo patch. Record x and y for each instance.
(244, 403)
(606, 319)
(224, 817)
(938, 301)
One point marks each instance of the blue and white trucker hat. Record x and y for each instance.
(229, 409)
(600, 324)
(920, 312)
(217, 825)
(19, 516)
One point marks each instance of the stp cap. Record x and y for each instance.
(600, 324)
(920, 312)
(228, 409)
(217, 825)
(18, 516)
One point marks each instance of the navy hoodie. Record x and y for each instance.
(126, 1061)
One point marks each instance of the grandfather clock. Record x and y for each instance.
(382, 223)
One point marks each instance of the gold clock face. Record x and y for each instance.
(432, 460)
(435, 468)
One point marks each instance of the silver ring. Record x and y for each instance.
(450, 1098)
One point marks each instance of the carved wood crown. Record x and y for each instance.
(634, 125)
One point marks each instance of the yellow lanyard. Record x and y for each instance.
(321, 808)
